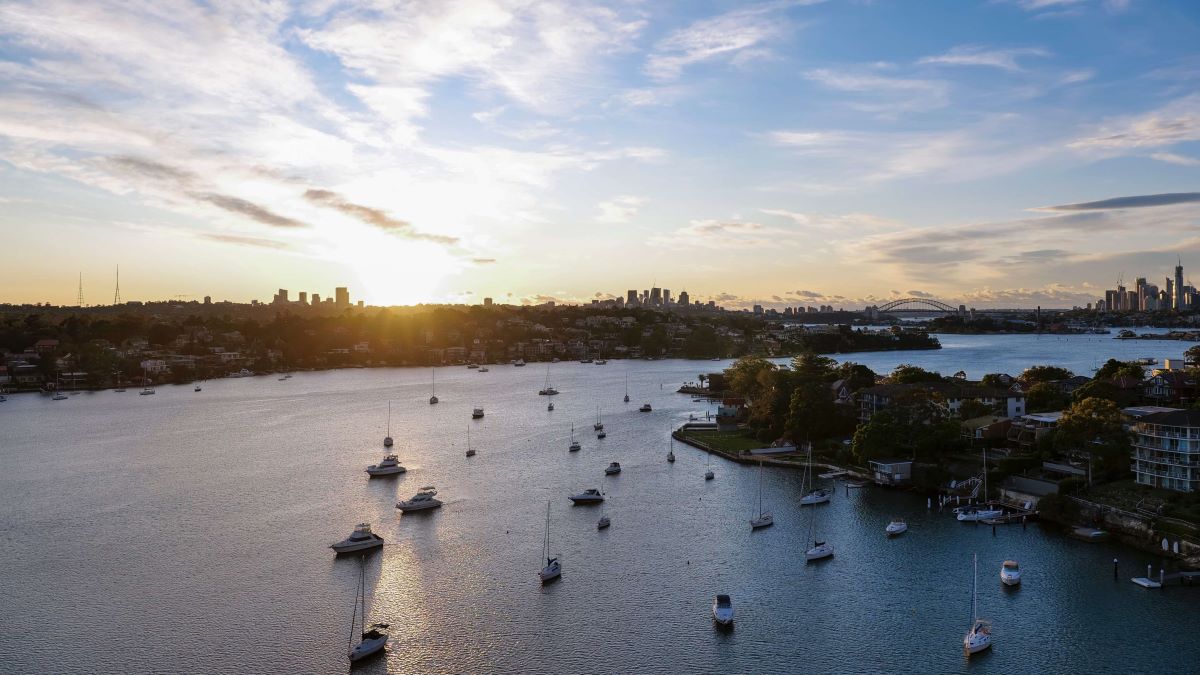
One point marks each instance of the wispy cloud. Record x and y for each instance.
(247, 208)
(887, 94)
(735, 36)
(980, 55)
(1172, 158)
(1177, 122)
(242, 240)
(1131, 202)
(619, 209)
(375, 217)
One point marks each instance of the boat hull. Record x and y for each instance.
(587, 500)
(368, 648)
(410, 508)
(761, 522)
(818, 553)
(356, 547)
(388, 471)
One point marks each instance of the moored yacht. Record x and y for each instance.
(645, 408)
(588, 496)
(819, 496)
(722, 610)
(897, 526)
(763, 519)
(574, 446)
(603, 523)
(388, 466)
(483, 369)
(968, 514)
(387, 440)
(613, 469)
(433, 399)
(362, 539)
(818, 551)
(422, 501)
(373, 638)
(1010, 573)
(979, 636)
(519, 362)
(553, 568)
(477, 413)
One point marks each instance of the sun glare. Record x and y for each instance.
(393, 270)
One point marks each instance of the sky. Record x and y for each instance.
(997, 153)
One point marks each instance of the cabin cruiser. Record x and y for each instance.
(146, 391)
(967, 514)
(1010, 573)
(897, 526)
(815, 497)
(362, 539)
(709, 475)
(722, 610)
(423, 500)
(483, 369)
(603, 523)
(472, 366)
(819, 550)
(613, 469)
(645, 408)
(477, 413)
(585, 360)
(389, 466)
(548, 391)
(59, 396)
(588, 496)
(519, 362)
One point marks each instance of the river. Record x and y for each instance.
(188, 532)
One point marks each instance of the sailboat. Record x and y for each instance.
(120, 387)
(470, 450)
(147, 389)
(549, 389)
(433, 388)
(818, 496)
(763, 519)
(819, 549)
(708, 472)
(979, 637)
(197, 387)
(671, 451)
(972, 513)
(372, 639)
(387, 440)
(627, 387)
(58, 394)
(574, 446)
(553, 568)
(598, 426)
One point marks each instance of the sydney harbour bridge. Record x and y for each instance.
(917, 305)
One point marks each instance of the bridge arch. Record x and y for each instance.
(917, 304)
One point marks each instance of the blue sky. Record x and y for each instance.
(835, 152)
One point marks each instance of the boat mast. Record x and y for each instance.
(547, 551)
(975, 592)
(433, 379)
(354, 616)
(985, 485)
(389, 419)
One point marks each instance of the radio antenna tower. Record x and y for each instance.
(117, 292)
(79, 298)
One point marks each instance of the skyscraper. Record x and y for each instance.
(631, 297)
(1178, 303)
(303, 297)
(684, 298)
(341, 296)
(656, 297)
(666, 296)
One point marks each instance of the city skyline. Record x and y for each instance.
(992, 153)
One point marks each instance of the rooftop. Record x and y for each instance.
(1174, 418)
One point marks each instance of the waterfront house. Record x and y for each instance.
(951, 395)
(1166, 450)
(1174, 387)
(985, 430)
(891, 472)
(1027, 430)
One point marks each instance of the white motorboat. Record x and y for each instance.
(979, 636)
(361, 539)
(483, 369)
(722, 610)
(645, 408)
(422, 501)
(146, 391)
(387, 440)
(433, 399)
(613, 469)
(588, 496)
(970, 514)
(574, 446)
(477, 413)
(553, 568)
(472, 366)
(388, 466)
(763, 519)
(897, 526)
(371, 639)
(820, 496)
(603, 523)
(519, 363)
(1010, 573)
(602, 362)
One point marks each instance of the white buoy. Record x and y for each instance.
(929, 503)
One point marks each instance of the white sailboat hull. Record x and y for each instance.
(368, 648)
(896, 528)
(765, 520)
(819, 552)
(814, 498)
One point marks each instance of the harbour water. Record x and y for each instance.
(188, 532)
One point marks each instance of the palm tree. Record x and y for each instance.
(703, 377)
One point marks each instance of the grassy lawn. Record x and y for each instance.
(733, 442)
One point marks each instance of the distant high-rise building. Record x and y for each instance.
(303, 299)
(631, 297)
(1139, 288)
(208, 299)
(684, 298)
(487, 302)
(656, 297)
(341, 296)
(316, 299)
(281, 297)
(1178, 303)
(666, 296)
(758, 309)
(645, 297)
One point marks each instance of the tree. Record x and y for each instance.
(906, 373)
(1113, 369)
(1096, 426)
(1104, 389)
(856, 375)
(1035, 374)
(743, 376)
(915, 425)
(972, 408)
(996, 380)
(1045, 397)
(1192, 355)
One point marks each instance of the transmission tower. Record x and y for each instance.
(79, 298)
(117, 292)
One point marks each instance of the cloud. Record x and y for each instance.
(244, 240)
(247, 208)
(619, 209)
(1038, 5)
(734, 36)
(979, 55)
(725, 234)
(483, 261)
(919, 294)
(374, 217)
(848, 222)
(1131, 202)
(1177, 122)
(1172, 158)
(810, 295)
(892, 94)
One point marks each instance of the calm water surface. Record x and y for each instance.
(187, 532)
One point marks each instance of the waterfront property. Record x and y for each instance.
(1166, 450)
(1027, 430)
(952, 395)
(892, 472)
